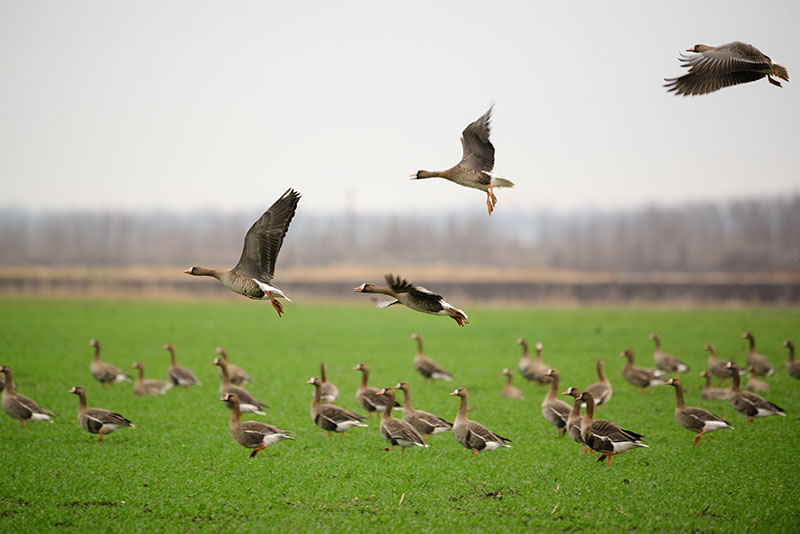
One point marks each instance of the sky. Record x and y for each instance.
(168, 105)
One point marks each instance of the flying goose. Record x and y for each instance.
(252, 276)
(758, 361)
(252, 434)
(330, 417)
(398, 431)
(246, 401)
(429, 369)
(103, 372)
(792, 366)
(666, 362)
(148, 386)
(368, 397)
(417, 298)
(238, 376)
(600, 390)
(97, 420)
(715, 67)
(19, 406)
(509, 391)
(532, 369)
(472, 435)
(606, 437)
(425, 422)
(475, 168)
(554, 409)
(180, 376)
(748, 403)
(694, 419)
(639, 376)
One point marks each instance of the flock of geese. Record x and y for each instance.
(709, 69)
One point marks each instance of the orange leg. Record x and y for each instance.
(425, 438)
(255, 451)
(22, 423)
(491, 194)
(101, 434)
(474, 453)
(697, 437)
(609, 455)
(561, 432)
(489, 203)
(329, 433)
(749, 420)
(402, 450)
(275, 304)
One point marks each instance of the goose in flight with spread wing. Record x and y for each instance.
(715, 67)
(475, 168)
(253, 275)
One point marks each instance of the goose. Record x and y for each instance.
(330, 417)
(148, 386)
(425, 422)
(666, 362)
(180, 376)
(715, 365)
(715, 67)
(748, 403)
(415, 297)
(472, 435)
(103, 372)
(238, 376)
(429, 369)
(252, 276)
(758, 361)
(694, 419)
(97, 420)
(710, 393)
(368, 397)
(600, 390)
(252, 434)
(475, 168)
(755, 384)
(509, 391)
(574, 420)
(18, 406)
(247, 402)
(639, 376)
(328, 390)
(398, 431)
(554, 409)
(792, 366)
(606, 437)
(532, 369)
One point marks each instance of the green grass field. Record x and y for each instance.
(180, 470)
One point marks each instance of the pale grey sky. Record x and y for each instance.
(184, 105)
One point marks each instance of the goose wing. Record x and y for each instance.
(398, 430)
(336, 415)
(478, 150)
(28, 407)
(478, 436)
(98, 417)
(433, 421)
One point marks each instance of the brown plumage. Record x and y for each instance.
(17, 405)
(666, 362)
(368, 397)
(330, 417)
(554, 410)
(328, 390)
(425, 422)
(574, 419)
(398, 431)
(792, 366)
(757, 361)
(401, 291)
(715, 67)
(97, 420)
(180, 376)
(710, 393)
(509, 391)
(532, 369)
(246, 401)
(429, 369)
(639, 376)
(252, 276)
(473, 435)
(104, 372)
(715, 365)
(238, 376)
(252, 434)
(600, 390)
(606, 437)
(695, 419)
(754, 383)
(748, 403)
(148, 386)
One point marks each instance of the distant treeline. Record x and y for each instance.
(742, 236)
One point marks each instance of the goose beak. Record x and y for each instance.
(187, 271)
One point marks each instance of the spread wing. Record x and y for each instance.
(699, 84)
(264, 239)
(726, 65)
(478, 150)
(401, 285)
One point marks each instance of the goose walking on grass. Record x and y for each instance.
(792, 366)
(666, 362)
(252, 276)
(367, 397)
(425, 422)
(710, 393)
(238, 376)
(640, 376)
(473, 435)
(328, 390)
(574, 419)
(180, 376)
(715, 67)
(759, 362)
(398, 431)
(554, 410)
(148, 386)
(532, 369)
(330, 417)
(695, 419)
(475, 168)
(103, 372)
(600, 390)
(509, 391)
(17, 405)
(606, 437)
(429, 369)
(401, 291)
(252, 434)
(97, 420)
(749, 403)
(244, 399)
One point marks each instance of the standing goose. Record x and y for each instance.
(417, 298)
(428, 368)
(710, 393)
(639, 376)
(694, 419)
(103, 372)
(532, 369)
(252, 434)
(600, 390)
(554, 409)
(755, 384)
(475, 168)
(19, 406)
(328, 390)
(792, 366)
(748, 403)
(715, 365)
(330, 417)
(367, 397)
(759, 362)
(252, 276)
(425, 422)
(606, 437)
(238, 376)
(574, 420)
(246, 401)
(148, 386)
(180, 376)
(472, 435)
(398, 431)
(97, 420)
(715, 67)
(666, 362)
(509, 391)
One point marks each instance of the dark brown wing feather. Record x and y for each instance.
(264, 239)
(700, 84)
(401, 285)
(478, 150)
